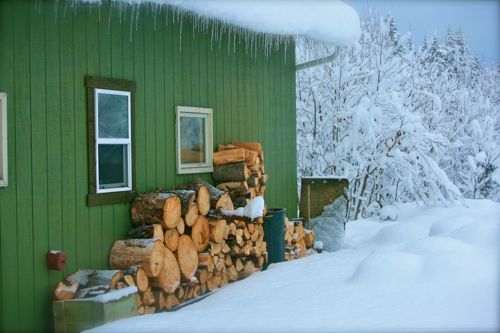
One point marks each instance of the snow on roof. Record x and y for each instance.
(330, 21)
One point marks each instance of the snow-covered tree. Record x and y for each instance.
(395, 120)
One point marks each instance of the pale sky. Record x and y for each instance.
(478, 19)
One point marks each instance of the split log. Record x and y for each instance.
(217, 230)
(251, 157)
(169, 278)
(231, 172)
(161, 208)
(228, 186)
(146, 231)
(172, 239)
(128, 280)
(63, 291)
(255, 146)
(202, 195)
(213, 283)
(189, 208)
(106, 278)
(200, 233)
(170, 302)
(309, 238)
(144, 252)
(147, 297)
(205, 261)
(187, 256)
(159, 299)
(139, 275)
(218, 199)
(181, 226)
(229, 156)
(80, 277)
(232, 273)
(144, 309)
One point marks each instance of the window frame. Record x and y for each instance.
(195, 112)
(94, 86)
(3, 141)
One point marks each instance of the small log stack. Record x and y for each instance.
(239, 169)
(297, 239)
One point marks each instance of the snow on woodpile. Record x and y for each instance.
(327, 21)
(254, 209)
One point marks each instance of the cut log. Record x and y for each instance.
(161, 208)
(129, 280)
(146, 231)
(231, 172)
(169, 278)
(172, 239)
(191, 216)
(200, 233)
(80, 277)
(228, 186)
(144, 252)
(63, 292)
(187, 256)
(205, 261)
(232, 273)
(309, 238)
(189, 208)
(159, 299)
(217, 230)
(171, 301)
(106, 278)
(255, 146)
(251, 157)
(181, 226)
(139, 276)
(213, 283)
(218, 199)
(229, 156)
(202, 196)
(147, 297)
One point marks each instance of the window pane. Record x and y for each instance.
(192, 133)
(113, 166)
(113, 115)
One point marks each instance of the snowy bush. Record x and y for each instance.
(400, 124)
(329, 227)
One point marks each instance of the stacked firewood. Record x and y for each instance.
(239, 169)
(187, 245)
(297, 239)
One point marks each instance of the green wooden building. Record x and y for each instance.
(47, 49)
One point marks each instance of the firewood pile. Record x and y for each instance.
(184, 243)
(297, 239)
(239, 169)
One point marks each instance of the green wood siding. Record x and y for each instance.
(47, 47)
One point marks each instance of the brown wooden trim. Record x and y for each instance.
(94, 199)
(109, 83)
(91, 83)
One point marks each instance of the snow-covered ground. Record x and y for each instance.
(433, 269)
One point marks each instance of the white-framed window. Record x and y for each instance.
(3, 140)
(194, 140)
(113, 144)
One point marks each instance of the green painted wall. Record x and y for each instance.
(46, 49)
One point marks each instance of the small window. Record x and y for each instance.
(194, 140)
(110, 121)
(3, 139)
